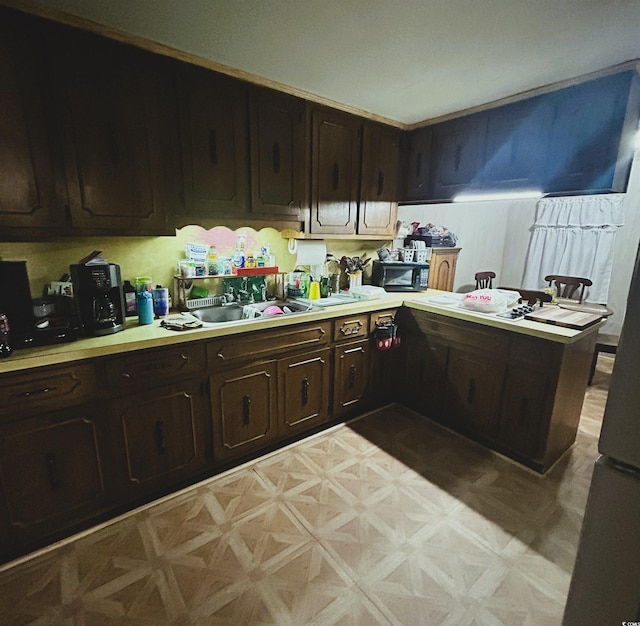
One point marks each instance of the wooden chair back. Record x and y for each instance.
(530, 296)
(484, 280)
(567, 286)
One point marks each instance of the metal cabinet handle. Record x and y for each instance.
(352, 376)
(276, 157)
(34, 392)
(52, 470)
(305, 391)
(246, 410)
(471, 392)
(336, 176)
(160, 437)
(351, 328)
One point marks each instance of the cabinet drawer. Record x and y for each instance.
(351, 327)
(465, 334)
(26, 393)
(260, 345)
(382, 317)
(536, 353)
(155, 367)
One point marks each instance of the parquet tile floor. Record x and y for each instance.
(388, 520)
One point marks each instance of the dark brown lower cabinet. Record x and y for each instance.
(518, 394)
(526, 395)
(474, 384)
(244, 409)
(52, 474)
(304, 391)
(423, 386)
(160, 440)
(351, 376)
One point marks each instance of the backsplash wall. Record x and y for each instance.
(157, 256)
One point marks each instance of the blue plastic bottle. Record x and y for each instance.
(144, 300)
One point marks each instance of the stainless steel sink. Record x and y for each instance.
(238, 312)
(286, 306)
(219, 314)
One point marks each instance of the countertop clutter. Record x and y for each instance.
(136, 337)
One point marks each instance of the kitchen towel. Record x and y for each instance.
(311, 252)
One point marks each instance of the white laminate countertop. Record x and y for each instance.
(431, 303)
(136, 337)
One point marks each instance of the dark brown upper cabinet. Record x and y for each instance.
(279, 160)
(215, 153)
(416, 163)
(574, 140)
(514, 149)
(335, 171)
(118, 110)
(354, 174)
(378, 208)
(28, 199)
(592, 135)
(458, 156)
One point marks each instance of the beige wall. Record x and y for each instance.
(495, 236)
(157, 256)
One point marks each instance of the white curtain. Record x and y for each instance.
(574, 236)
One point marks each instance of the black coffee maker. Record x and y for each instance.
(97, 291)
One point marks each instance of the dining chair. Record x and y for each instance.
(530, 296)
(604, 343)
(484, 280)
(566, 286)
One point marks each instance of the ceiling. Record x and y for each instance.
(405, 61)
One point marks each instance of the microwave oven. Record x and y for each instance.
(399, 276)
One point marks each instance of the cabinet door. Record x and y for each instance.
(426, 375)
(278, 153)
(517, 136)
(378, 209)
(335, 172)
(351, 376)
(458, 156)
(214, 130)
(162, 438)
(27, 193)
(417, 164)
(304, 388)
(442, 268)
(244, 409)
(120, 140)
(525, 411)
(586, 129)
(51, 471)
(473, 391)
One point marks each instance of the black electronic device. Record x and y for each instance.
(98, 295)
(25, 331)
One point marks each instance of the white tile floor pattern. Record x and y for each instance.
(388, 520)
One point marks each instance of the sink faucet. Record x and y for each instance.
(243, 292)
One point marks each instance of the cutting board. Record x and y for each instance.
(564, 317)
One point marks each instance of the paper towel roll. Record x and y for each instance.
(311, 252)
